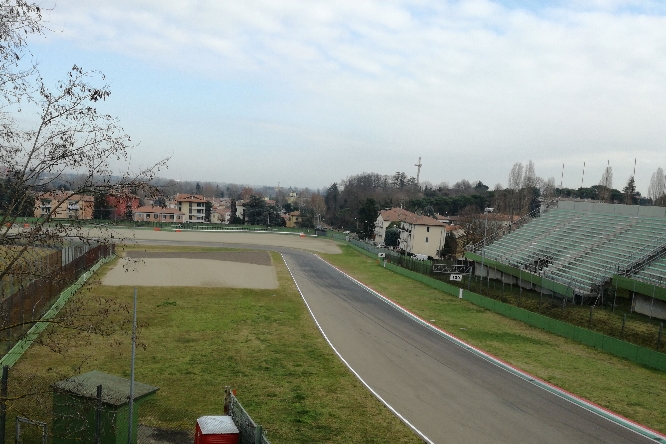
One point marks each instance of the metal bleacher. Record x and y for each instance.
(654, 273)
(582, 244)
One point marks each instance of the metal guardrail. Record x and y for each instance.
(250, 432)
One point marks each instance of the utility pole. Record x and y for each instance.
(418, 171)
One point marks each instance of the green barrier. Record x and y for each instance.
(635, 353)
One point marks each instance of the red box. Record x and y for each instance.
(216, 430)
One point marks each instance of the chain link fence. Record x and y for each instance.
(30, 291)
(39, 411)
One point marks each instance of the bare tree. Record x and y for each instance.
(657, 188)
(515, 183)
(606, 185)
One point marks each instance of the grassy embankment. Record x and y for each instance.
(194, 341)
(631, 390)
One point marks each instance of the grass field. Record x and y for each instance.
(631, 390)
(195, 341)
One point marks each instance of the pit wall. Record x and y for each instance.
(634, 353)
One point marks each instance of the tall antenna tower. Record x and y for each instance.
(418, 171)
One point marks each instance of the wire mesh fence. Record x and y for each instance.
(611, 313)
(29, 292)
(43, 409)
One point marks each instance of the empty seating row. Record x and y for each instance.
(582, 248)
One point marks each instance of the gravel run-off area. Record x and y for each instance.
(243, 269)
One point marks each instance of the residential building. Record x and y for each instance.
(64, 205)
(149, 213)
(422, 235)
(294, 219)
(385, 218)
(122, 205)
(193, 207)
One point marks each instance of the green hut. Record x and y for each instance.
(75, 407)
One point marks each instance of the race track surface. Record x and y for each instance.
(447, 393)
(442, 389)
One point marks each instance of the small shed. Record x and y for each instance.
(75, 407)
(216, 430)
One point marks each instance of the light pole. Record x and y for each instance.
(483, 251)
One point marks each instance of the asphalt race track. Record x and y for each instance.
(445, 392)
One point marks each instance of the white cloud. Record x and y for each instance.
(570, 82)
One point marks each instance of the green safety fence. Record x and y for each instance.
(635, 353)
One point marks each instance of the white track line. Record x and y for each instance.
(394, 411)
(574, 399)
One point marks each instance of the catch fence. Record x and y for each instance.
(391, 257)
(26, 295)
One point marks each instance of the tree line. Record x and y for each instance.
(351, 202)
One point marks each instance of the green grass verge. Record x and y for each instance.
(631, 390)
(195, 341)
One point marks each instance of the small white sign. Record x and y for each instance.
(456, 277)
(381, 254)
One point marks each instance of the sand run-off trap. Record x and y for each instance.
(243, 269)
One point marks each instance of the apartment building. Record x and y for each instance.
(64, 205)
(193, 206)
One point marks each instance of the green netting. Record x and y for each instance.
(561, 328)
(620, 348)
(503, 309)
(644, 356)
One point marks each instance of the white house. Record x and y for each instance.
(422, 235)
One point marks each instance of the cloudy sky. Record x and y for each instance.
(306, 93)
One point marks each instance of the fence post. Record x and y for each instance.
(258, 430)
(624, 321)
(589, 321)
(3, 403)
(98, 416)
(227, 400)
(661, 329)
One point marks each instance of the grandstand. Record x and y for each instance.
(578, 248)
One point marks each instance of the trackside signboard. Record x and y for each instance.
(456, 277)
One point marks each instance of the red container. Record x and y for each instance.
(216, 430)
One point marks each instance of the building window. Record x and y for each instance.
(427, 230)
(426, 240)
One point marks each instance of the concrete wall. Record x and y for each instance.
(492, 273)
(644, 305)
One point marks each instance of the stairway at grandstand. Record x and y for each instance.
(582, 245)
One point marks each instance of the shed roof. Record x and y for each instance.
(212, 425)
(115, 390)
